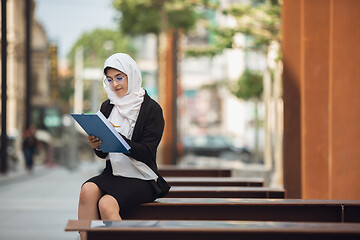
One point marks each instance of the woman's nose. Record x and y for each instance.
(115, 83)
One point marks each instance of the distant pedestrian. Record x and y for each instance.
(30, 144)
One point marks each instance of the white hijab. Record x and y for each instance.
(128, 106)
(125, 114)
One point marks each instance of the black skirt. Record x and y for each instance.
(128, 192)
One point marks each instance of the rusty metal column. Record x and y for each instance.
(3, 162)
(315, 41)
(321, 98)
(291, 97)
(344, 102)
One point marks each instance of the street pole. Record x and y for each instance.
(78, 107)
(79, 85)
(28, 21)
(3, 161)
(174, 60)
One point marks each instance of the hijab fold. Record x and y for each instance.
(129, 105)
(124, 115)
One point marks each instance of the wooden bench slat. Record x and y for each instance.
(257, 201)
(215, 181)
(224, 192)
(352, 213)
(215, 230)
(249, 209)
(176, 171)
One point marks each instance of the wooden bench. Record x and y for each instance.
(215, 181)
(176, 171)
(225, 192)
(248, 209)
(213, 230)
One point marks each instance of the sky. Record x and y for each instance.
(65, 20)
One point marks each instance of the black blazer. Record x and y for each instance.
(146, 137)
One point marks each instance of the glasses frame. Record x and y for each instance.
(107, 82)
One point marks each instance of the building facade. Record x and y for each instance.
(16, 69)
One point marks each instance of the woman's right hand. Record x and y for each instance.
(94, 142)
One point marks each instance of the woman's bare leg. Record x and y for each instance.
(89, 196)
(109, 208)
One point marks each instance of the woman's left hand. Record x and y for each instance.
(94, 142)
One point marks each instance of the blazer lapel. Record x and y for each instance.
(107, 108)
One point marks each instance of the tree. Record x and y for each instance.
(98, 44)
(250, 87)
(260, 22)
(137, 17)
(164, 18)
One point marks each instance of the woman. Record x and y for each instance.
(128, 179)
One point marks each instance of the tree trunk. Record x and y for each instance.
(278, 148)
(167, 75)
(267, 126)
(256, 156)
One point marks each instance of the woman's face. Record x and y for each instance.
(118, 81)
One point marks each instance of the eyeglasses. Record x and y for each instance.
(109, 81)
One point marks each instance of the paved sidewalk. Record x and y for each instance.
(38, 205)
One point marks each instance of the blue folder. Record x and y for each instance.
(98, 126)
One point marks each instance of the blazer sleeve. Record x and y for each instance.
(105, 109)
(100, 154)
(144, 148)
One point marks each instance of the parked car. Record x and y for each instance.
(215, 146)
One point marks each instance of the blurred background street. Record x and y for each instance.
(38, 205)
(198, 79)
(268, 88)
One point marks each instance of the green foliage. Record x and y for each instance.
(224, 37)
(66, 91)
(249, 85)
(209, 51)
(137, 17)
(260, 21)
(98, 45)
(146, 16)
(182, 18)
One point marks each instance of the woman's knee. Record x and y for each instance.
(90, 192)
(108, 206)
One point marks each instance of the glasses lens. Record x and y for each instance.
(108, 81)
(119, 79)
